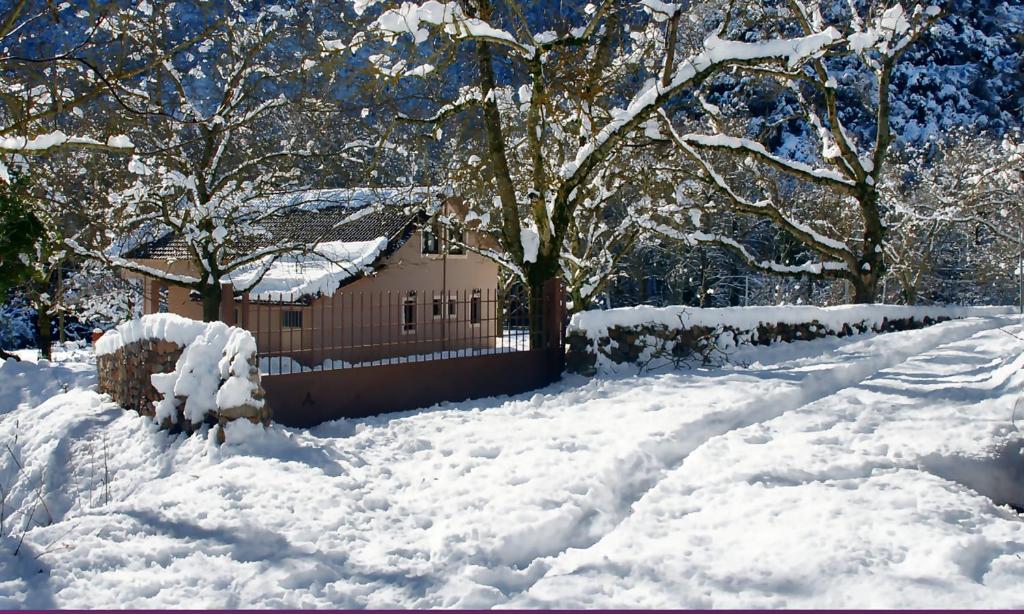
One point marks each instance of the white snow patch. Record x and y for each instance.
(530, 241)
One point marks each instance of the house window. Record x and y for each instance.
(162, 303)
(455, 241)
(453, 307)
(409, 313)
(474, 308)
(437, 309)
(429, 238)
(291, 319)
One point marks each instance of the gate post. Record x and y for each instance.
(153, 296)
(227, 304)
(554, 329)
(244, 323)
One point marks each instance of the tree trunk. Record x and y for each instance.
(538, 275)
(61, 335)
(210, 294)
(908, 289)
(865, 288)
(45, 334)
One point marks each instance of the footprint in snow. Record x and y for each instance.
(485, 452)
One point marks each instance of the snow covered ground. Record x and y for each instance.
(855, 472)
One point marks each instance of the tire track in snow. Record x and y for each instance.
(630, 477)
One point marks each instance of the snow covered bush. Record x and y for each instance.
(645, 337)
(182, 372)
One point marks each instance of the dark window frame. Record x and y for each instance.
(409, 314)
(430, 240)
(455, 238)
(291, 318)
(476, 308)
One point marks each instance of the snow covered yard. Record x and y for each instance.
(855, 472)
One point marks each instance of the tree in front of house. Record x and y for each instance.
(846, 168)
(218, 141)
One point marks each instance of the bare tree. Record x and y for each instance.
(852, 171)
(557, 100)
(218, 140)
(56, 61)
(968, 189)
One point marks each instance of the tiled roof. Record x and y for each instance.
(307, 226)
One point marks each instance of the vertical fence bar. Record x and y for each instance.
(278, 315)
(342, 338)
(279, 330)
(260, 341)
(291, 337)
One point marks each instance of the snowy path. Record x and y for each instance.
(823, 468)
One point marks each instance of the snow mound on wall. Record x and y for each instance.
(213, 372)
(162, 326)
(596, 323)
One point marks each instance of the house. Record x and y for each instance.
(385, 279)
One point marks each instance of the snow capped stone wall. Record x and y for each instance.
(182, 372)
(648, 336)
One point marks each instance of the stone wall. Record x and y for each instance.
(645, 344)
(126, 375)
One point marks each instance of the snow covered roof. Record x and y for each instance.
(345, 231)
(323, 271)
(317, 216)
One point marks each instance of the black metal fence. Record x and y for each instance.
(357, 329)
(485, 343)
